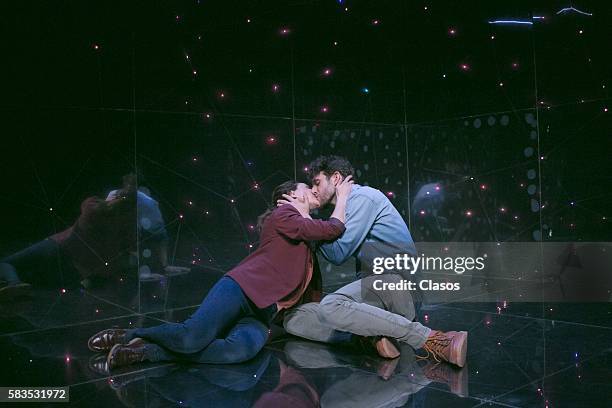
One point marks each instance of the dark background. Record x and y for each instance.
(92, 90)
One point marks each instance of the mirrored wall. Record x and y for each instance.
(487, 126)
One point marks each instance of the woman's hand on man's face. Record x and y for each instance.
(302, 204)
(344, 188)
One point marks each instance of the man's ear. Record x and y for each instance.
(337, 178)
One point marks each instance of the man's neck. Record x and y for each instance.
(333, 200)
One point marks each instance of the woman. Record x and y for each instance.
(232, 323)
(95, 245)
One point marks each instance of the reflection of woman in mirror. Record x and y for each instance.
(96, 245)
(232, 323)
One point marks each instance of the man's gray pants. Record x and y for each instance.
(359, 309)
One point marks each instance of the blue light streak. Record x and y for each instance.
(511, 22)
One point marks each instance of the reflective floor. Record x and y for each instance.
(519, 355)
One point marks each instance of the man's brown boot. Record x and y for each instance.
(379, 345)
(447, 346)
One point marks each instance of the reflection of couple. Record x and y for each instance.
(371, 383)
(232, 323)
(304, 374)
(97, 245)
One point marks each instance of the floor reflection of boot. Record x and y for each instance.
(98, 364)
(14, 291)
(384, 368)
(131, 389)
(455, 378)
(122, 391)
(387, 368)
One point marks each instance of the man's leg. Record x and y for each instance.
(303, 321)
(358, 308)
(400, 302)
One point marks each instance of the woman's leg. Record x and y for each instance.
(41, 264)
(8, 273)
(222, 307)
(242, 343)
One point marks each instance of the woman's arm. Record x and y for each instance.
(289, 222)
(300, 225)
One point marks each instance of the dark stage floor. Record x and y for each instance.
(524, 355)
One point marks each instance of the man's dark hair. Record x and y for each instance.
(329, 165)
(129, 184)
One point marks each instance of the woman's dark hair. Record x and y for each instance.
(277, 194)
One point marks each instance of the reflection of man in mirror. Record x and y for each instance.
(152, 236)
(581, 272)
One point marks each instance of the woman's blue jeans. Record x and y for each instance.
(226, 328)
(42, 264)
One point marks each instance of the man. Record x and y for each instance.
(373, 228)
(151, 234)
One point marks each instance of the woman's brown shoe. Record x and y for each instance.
(123, 355)
(105, 340)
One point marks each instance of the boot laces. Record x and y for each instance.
(435, 347)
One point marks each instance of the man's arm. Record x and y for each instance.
(151, 219)
(359, 220)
